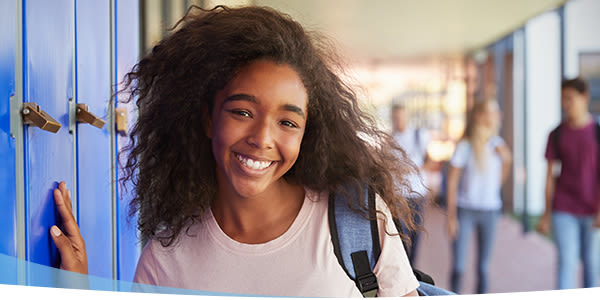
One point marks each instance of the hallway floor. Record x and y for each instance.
(520, 262)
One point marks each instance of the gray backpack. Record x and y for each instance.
(357, 247)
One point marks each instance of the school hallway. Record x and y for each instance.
(520, 262)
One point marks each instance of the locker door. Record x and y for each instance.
(93, 88)
(8, 213)
(48, 81)
(126, 56)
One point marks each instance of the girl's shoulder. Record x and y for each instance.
(496, 141)
(463, 146)
(462, 143)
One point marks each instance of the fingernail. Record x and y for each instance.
(55, 231)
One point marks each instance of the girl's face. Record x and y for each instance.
(256, 127)
(490, 116)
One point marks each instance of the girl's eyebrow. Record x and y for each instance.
(242, 97)
(294, 109)
(250, 98)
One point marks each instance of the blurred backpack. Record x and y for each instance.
(357, 247)
(441, 196)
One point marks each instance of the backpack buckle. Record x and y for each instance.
(367, 284)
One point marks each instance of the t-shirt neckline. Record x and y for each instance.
(239, 248)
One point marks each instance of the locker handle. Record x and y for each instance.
(121, 120)
(83, 115)
(33, 115)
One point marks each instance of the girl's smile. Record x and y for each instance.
(256, 128)
(254, 164)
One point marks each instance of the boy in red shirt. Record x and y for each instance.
(572, 198)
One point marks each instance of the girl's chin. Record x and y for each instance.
(249, 190)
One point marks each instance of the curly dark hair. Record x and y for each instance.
(171, 165)
(577, 83)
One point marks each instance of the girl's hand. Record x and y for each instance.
(543, 225)
(452, 227)
(70, 244)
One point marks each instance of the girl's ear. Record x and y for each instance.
(206, 117)
(586, 96)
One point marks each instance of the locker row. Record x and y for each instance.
(60, 64)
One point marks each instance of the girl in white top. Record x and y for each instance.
(244, 129)
(478, 168)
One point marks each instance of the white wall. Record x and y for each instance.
(582, 22)
(518, 118)
(542, 100)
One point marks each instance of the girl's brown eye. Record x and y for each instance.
(289, 124)
(242, 113)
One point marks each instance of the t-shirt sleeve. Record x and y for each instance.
(461, 154)
(145, 270)
(393, 271)
(550, 151)
(498, 141)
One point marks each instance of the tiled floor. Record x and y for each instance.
(520, 262)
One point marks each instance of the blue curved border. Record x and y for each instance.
(20, 272)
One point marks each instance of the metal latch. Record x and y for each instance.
(83, 115)
(121, 120)
(33, 115)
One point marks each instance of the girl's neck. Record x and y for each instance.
(262, 218)
(580, 120)
(481, 134)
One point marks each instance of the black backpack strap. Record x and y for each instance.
(597, 125)
(356, 255)
(597, 133)
(554, 139)
(423, 277)
(374, 227)
(366, 281)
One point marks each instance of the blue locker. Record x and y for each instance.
(8, 213)
(66, 50)
(48, 81)
(127, 55)
(93, 88)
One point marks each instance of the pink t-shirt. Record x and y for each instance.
(299, 263)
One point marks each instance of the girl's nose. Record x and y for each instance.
(261, 136)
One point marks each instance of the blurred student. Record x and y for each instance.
(478, 167)
(414, 141)
(572, 197)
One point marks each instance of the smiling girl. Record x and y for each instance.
(244, 129)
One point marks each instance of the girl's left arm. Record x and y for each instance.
(506, 157)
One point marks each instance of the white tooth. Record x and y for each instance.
(253, 164)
